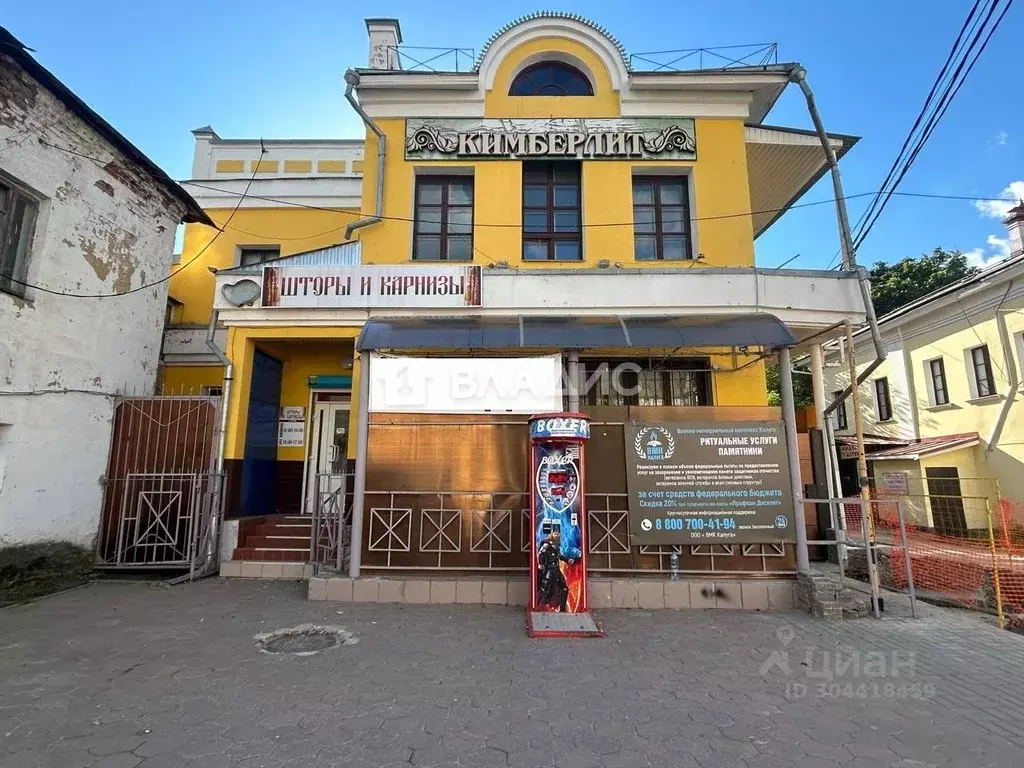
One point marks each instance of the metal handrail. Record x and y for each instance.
(403, 52)
(757, 55)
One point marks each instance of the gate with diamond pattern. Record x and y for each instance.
(159, 497)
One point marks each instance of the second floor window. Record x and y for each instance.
(250, 256)
(982, 365)
(882, 400)
(443, 228)
(940, 393)
(661, 219)
(551, 212)
(841, 422)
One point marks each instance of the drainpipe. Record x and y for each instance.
(218, 478)
(572, 373)
(799, 76)
(1011, 374)
(351, 81)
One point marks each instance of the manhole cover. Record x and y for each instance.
(307, 642)
(304, 640)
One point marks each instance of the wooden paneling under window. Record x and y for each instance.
(552, 217)
(661, 219)
(443, 226)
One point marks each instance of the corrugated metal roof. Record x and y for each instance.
(531, 331)
(928, 446)
(338, 255)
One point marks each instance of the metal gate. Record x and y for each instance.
(161, 500)
(332, 521)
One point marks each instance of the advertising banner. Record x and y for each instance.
(466, 384)
(716, 482)
(371, 286)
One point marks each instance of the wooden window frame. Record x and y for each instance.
(14, 279)
(658, 208)
(986, 369)
(883, 396)
(939, 385)
(445, 206)
(273, 251)
(550, 236)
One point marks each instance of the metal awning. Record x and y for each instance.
(546, 332)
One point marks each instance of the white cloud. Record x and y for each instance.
(1000, 140)
(998, 209)
(997, 250)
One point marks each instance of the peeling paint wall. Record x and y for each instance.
(104, 226)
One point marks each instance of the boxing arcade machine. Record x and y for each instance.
(558, 548)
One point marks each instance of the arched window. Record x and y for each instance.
(551, 78)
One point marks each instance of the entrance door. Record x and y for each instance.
(328, 454)
(259, 466)
(946, 500)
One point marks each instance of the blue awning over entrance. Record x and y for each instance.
(540, 332)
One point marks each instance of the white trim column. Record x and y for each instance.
(359, 485)
(803, 563)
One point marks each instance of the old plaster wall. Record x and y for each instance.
(102, 227)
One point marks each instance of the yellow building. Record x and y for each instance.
(555, 202)
(940, 411)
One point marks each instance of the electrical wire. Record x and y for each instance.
(950, 90)
(170, 274)
(245, 194)
(583, 225)
(894, 168)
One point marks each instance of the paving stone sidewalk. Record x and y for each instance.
(141, 675)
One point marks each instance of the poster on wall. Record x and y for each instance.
(291, 434)
(716, 482)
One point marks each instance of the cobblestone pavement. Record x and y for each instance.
(126, 675)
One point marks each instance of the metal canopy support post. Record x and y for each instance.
(359, 486)
(803, 563)
(572, 373)
(818, 386)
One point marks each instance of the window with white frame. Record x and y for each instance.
(938, 390)
(17, 221)
(981, 372)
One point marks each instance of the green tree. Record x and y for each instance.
(897, 284)
(803, 394)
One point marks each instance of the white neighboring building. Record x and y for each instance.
(82, 211)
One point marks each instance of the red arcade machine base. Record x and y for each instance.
(557, 624)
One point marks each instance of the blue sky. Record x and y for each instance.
(272, 69)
